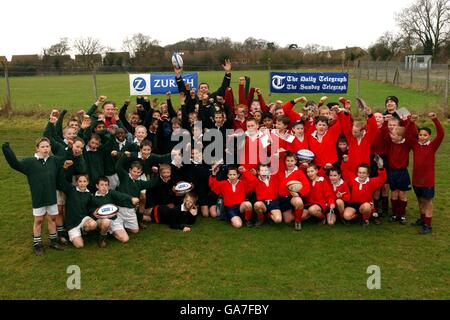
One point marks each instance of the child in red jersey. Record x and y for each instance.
(378, 148)
(424, 153)
(265, 185)
(359, 136)
(254, 149)
(361, 190)
(233, 190)
(320, 198)
(292, 200)
(301, 140)
(398, 150)
(323, 142)
(340, 189)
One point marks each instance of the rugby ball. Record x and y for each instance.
(305, 154)
(182, 187)
(177, 61)
(106, 211)
(294, 185)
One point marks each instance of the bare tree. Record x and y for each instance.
(139, 44)
(428, 21)
(88, 48)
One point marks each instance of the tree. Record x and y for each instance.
(386, 47)
(88, 48)
(58, 49)
(427, 21)
(139, 44)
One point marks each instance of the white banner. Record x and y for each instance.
(140, 85)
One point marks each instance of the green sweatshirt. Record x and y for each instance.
(77, 202)
(127, 184)
(41, 175)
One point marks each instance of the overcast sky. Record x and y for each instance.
(28, 26)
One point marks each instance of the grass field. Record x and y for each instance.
(75, 92)
(215, 261)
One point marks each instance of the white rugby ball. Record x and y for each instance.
(107, 211)
(182, 187)
(177, 61)
(305, 154)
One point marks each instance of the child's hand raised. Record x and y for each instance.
(67, 164)
(432, 115)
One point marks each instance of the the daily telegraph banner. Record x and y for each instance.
(308, 82)
(158, 83)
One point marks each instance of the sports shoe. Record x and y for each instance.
(54, 244)
(419, 223)
(402, 220)
(38, 249)
(365, 223)
(425, 229)
(393, 219)
(102, 241)
(298, 226)
(249, 224)
(259, 223)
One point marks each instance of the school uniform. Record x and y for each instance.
(324, 148)
(320, 194)
(41, 174)
(284, 195)
(424, 158)
(177, 217)
(132, 187)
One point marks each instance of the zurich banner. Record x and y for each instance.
(158, 83)
(308, 82)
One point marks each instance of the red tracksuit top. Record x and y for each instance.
(363, 192)
(321, 193)
(289, 112)
(424, 157)
(297, 145)
(378, 145)
(325, 150)
(298, 175)
(343, 188)
(358, 152)
(398, 153)
(254, 151)
(231, 197)
(263, 191)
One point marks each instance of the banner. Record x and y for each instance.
(158, 83)
(140, 84)
(308, 82)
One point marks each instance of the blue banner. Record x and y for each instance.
(308, 82)
(162, 83)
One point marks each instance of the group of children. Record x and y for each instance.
(283, 165)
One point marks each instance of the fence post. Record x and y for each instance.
(270, 70)
(446, 106)
(428, 74)
(8, 107)
(94, 80)
(386, 68)
(411, 75)
(376, 70)
(358, 79)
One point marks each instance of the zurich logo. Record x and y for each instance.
(139, 84)
(278, 82)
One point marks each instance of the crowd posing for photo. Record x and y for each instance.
(236, 159)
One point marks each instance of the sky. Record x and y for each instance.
(26, 27)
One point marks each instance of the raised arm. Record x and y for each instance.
(12, 159)
(59, 125)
